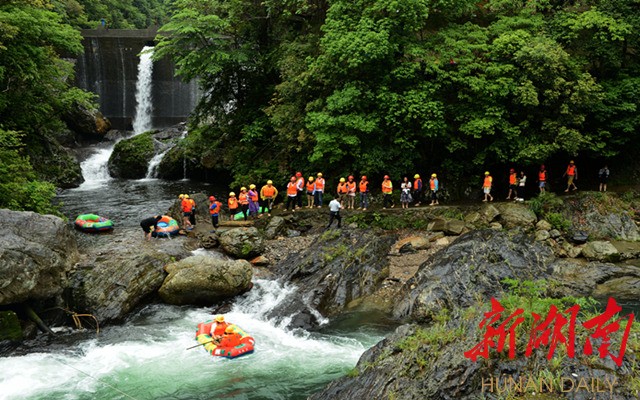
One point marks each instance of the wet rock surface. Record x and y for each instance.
(242, 242)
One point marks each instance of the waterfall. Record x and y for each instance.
(152, 170)
(144, 104)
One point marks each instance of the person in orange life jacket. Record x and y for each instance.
(149, 225)
(319, 190)
(387, 191)
(486, 186)
(433, 187)
(311, 186)
(230, 338)
(417, 189)
(233, 206)
(268, 195)
(542, 179)
(214, 211)
(300, 187)
(185, 206)
(364, 193)
(292, 194)
(254, 207)
(351, 192)
(572, 175)
(218, 328)
(513, 184)
(243, 201)
(342, 190)
(522, 182)
(405, 193)
(192, 217)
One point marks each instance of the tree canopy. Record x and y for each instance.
(392, 86)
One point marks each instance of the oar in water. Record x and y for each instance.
(198, 345)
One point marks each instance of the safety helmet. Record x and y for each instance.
(486, 172)
(269, 182)
(350, 177)
(298, 174)
(243, 189)
(364, 177)
(571, 162)
(311, 179)
(186, 196)
(512, 170)
(181, 196)
(319, 173)
(416, 176)
(229, 329)
(232, 194)
(211, 198)
(386, 177)
(341, 180)
(542, 167)
(219, 318)
(252, 186)
(434, 175)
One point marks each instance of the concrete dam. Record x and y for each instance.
(109, 68)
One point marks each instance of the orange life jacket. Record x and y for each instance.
(432, 184)
(243, 198)
(342, 188)
(571, 170)
(292, 190)
(254, 196)
(487, 181)
(300, 183)
(218, 328)
(230, 340)
(193, 203)
(268, 191)
(512, 179)
(417, 184)
(351, 187)
(364, 186)
(542, 176)
(215, 210)
(320, 184)
(310, 187)
(233, 203)
(387, 186)
(186, 205)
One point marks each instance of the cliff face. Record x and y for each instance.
(109, 68)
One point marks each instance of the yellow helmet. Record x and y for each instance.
(252, 186)
(311, 179)
(186, 196)
(269, 182)
(434, 175)
(571, 162)
(416, 176)
(229, 329)
(219, 318)
(341, 180)
(232, 194)
(486, 172)
(181, 196)
(319, 173)
(243, 188)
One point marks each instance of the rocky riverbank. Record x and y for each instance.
(433, 268)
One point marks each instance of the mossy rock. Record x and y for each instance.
(10, 328)
(131, 157)
(172, 164)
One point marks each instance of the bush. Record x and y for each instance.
(558, 221)
(545, 202)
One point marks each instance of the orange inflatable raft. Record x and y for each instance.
(246, 345)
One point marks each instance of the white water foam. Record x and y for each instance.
(144, 103)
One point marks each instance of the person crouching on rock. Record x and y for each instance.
(149, 225)
(218, 328)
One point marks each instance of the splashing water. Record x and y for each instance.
(144, 103)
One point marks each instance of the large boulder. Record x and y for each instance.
(516, 215)
(242, 242)
(595, 279)
(203, 280)
(87, 123)
(274, 227)
(130, 157)
(36, 252)
(600, 251)
(602, 216)
(472, 267)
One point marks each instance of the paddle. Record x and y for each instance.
(198, 345)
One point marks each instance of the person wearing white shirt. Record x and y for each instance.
(334, 211)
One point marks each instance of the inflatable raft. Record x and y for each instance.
(246, 345)
(93, 223)
(166, 227)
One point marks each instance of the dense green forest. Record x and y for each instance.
(395, 86)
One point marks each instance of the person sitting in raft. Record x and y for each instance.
(230, 338)
(149, 225)
(218, 328)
